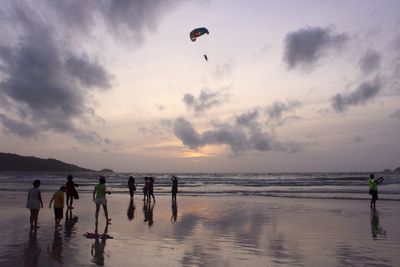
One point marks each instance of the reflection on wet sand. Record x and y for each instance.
(131, 210)
(70, 221)
(32, 251)
(97, 249)
(56, 248)
(376, 230)
(148, 207)
(174, 208)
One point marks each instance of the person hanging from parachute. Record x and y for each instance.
(194, 34)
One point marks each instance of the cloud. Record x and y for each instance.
(370, 62)
(248, 119)
(47, 75)
(304, 47)
(237, 138)
(277, 109)
(206, 100)
(365, 92)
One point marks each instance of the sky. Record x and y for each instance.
(289, 86)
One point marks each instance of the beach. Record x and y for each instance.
(204, 231)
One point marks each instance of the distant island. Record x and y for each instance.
(14, 162)
(397, 170)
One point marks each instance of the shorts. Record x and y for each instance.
(58, 213)
(374, 194)
(100, 201)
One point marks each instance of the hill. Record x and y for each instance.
(14, 162)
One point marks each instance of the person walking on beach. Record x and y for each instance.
(34, 203)
(71, 191)
(131, 186)
(174, 186)
(58, 198)
(373, 189)
(151, 188)
(99, 197)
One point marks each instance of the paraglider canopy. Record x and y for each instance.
(197, 33)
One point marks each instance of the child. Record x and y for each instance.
(34, 203)
(71, 191)
(146, 189)
(100, 191)
(373, 189)
(58, 198)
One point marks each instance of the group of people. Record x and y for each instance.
(35, 201)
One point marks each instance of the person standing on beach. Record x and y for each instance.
(174, 186)
(34, 203)
(71, 191)
(58, 198)
(151, 188)
(373, 189)
(131, 186)
(146, 189)
(99, 197)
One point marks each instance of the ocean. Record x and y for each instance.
(293, 185)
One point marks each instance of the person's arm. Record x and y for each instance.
(51, 201)
(40, 198)
(94, 192)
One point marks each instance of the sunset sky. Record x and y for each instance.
(288, 85)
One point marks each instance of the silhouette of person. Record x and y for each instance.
(373, 189)
(376, 230)
(174, 208)
(131, 210)
(56, 248)
(174, 189)
(131, 186)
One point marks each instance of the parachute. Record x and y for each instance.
(194, 34)
(197, 33)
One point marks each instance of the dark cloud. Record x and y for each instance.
(248, 119)
(206, 100)
(370, 62)
(238, 138)
(365, 91)
(277, 109)
(47, 76)
(306, 46)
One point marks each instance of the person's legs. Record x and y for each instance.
(31, 218)
(35, 218)
(131, 192)
(97, 213)
(106, 214)
(152, 195)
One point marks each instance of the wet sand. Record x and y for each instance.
(205, 231)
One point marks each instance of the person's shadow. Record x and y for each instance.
(148, 207)
(174, 208)
(32, 251)
(56, 248)
(97, 250)
(376, 230)
(70, 221)
(131, 210)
